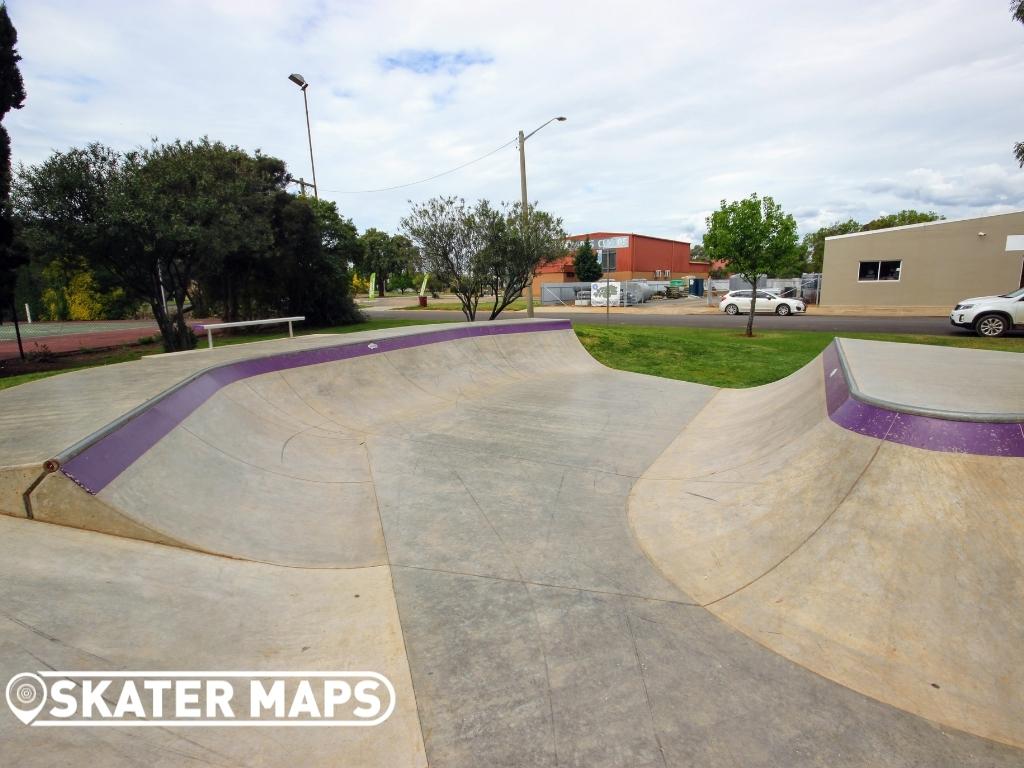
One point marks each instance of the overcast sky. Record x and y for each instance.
(836, 109)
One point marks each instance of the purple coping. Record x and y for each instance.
(929, 432)
(99, 463)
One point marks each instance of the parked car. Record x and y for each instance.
(990, 315)
(738, 302)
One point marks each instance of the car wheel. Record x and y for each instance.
(732, 309)
(991, 325)
(782, 310)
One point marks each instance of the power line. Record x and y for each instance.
(422, 181)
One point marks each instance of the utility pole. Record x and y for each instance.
(526, 215)
(526, 205)
(607, 288)
(302, 186)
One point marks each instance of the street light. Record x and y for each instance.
(526, 205)
(300, 81)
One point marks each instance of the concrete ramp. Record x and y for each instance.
(265, 459)
(893, 569)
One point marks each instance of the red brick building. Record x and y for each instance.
(629, 256)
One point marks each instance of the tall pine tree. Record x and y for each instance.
(585, 263)
(12, 96)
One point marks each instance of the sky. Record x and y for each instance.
(837, 110)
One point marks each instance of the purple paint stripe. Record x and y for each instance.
(928, 432)
(98, 464)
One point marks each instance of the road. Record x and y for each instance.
(932, 326)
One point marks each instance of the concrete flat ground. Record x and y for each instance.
(554, 563)
(932, 380)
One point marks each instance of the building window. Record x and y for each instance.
(875, 271)
(607, 259)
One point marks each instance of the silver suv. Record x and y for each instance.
(990, 315)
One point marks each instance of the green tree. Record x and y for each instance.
(312, 246)
(449, 247)
(386, 255)
(813, 245)
(585, 263)
(901, 219)
(60, 209)
(177, 215)
(207, 224)
(12, 96)
(402, 282)
(513, 248)
(755, 237)
(697, 253)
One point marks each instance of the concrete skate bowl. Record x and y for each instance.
(892, 568)
(549, 558)
(282, 442)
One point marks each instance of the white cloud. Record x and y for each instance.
(672, 105)
(985, 187)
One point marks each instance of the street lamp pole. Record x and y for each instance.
(526, 205)
(300, 81)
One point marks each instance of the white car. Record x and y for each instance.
(990, 315)
(738, 302)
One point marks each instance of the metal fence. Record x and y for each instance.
(561, 293)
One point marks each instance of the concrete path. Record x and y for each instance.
(555, 563)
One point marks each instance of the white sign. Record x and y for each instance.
(613, 242)
(191, 699)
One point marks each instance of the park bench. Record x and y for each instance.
(209, 327)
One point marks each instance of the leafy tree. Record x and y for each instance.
(402, 282)
(585, 263)
(755, 237)
(901, 219)
(12, 96)
(814, 242)
(60, 209)
(339, 248)
(184, 213)
(449, 247)
(483, 248)
(386, 255)
(697, 253)
(209, 224)
(514, 248)
(311, 268)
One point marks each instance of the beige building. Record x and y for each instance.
(933, 264)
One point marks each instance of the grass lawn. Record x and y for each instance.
(9, 376)
(720, 357)
(454, 306)
(724, 358)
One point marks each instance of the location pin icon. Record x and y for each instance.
(26, 695)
